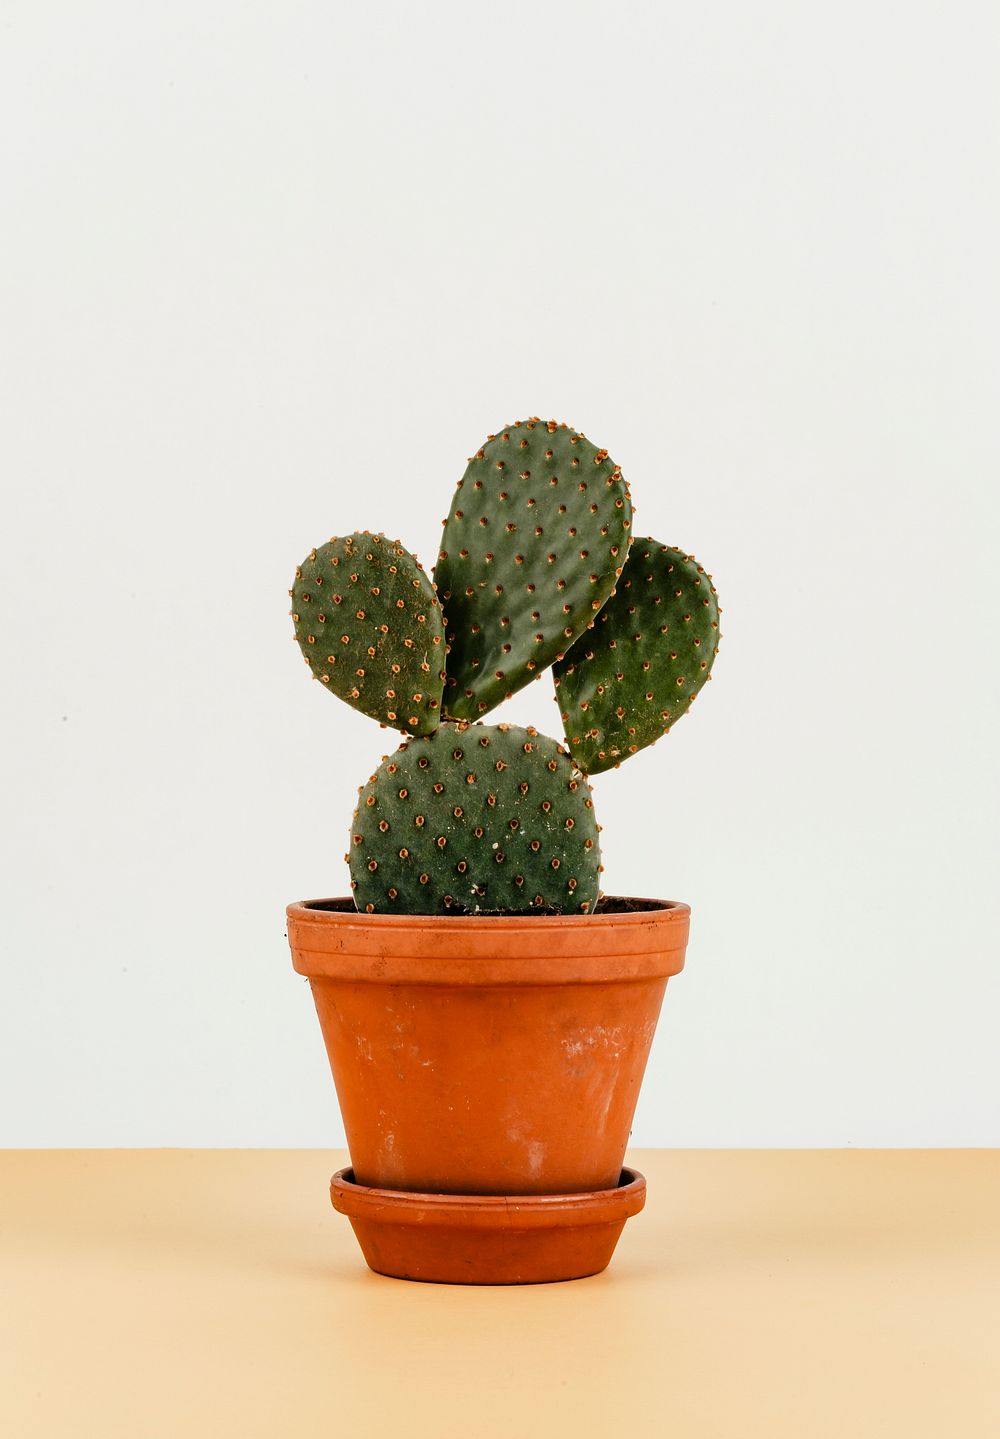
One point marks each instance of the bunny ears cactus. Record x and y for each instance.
(537, 569)
(475, 817)
(369, 625)
(652, 647)
(536, 538)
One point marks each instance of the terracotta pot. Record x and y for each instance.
(484, 1055)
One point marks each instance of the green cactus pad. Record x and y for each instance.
(371, 629)
(537, 536)
(475, 818)
(625, 682)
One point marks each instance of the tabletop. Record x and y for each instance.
(805, 1293)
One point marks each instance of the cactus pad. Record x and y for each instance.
(475, 818)
(537, 535)
(371, 629)
(625, 682)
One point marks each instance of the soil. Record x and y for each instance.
(607, 904)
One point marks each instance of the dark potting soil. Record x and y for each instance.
(607, 904)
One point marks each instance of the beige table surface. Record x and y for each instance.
(184, 1293)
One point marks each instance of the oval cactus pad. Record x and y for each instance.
(475, 819)
(370, 627)
(537, 536)
(626, 681)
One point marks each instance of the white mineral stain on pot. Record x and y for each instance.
(612, 1039)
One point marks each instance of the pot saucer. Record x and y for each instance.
(487, 1238)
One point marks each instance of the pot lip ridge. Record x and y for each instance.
(342, 944)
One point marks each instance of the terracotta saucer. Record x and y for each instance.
(487, 1239)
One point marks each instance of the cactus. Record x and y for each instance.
(537, 535)
(535, 569)
(624, 683)
(475, 818)
(369, 625)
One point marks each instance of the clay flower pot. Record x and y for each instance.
(488, 1056)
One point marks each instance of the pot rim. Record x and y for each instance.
(343, 944)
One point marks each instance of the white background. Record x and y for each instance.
(272, 271)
